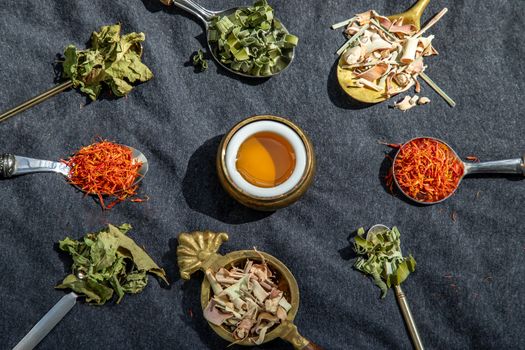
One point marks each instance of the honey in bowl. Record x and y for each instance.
(266, 159)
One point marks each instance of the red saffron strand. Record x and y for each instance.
(105, 169)
(427, 170)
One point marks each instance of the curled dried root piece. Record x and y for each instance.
(423, 101)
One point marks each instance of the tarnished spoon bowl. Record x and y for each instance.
(507, 166)
(11, 165)
(347, 79)
(206, 17)
(198, 251)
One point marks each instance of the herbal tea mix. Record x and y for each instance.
(247, 300)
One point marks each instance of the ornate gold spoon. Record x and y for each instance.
(198, 251)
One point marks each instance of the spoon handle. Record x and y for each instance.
(11, 165)
(195, 9)
(47, 323)
(409, 319)
(507, 166)
(291, 335)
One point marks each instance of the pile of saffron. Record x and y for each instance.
(105, 169)
(427, 170)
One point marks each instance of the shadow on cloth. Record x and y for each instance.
(203, 192)
(156, 6)
(338, 96)
(384, 169)
(64, 257)
(348, 252)
(169, 263)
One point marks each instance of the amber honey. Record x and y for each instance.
(265, 159)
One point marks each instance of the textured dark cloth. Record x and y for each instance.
(467, 291)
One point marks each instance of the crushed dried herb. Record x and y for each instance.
(380, 257)
(105, 169)
(252, 40)
(427, 170)
(107, 262)
(247, 301)
(112, 59)
(387, 55)
(199, 61)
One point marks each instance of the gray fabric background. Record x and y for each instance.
(177, 120)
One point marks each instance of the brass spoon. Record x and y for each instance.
(401, 298)
(346, 77)
(206, 17)
(11, 165)
(507, 166)
(198, 251)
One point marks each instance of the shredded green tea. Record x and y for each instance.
(252, 41)
(199, 61)
(112, 59)
(381, 258)
(107, 262)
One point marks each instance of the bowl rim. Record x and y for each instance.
(310, 162)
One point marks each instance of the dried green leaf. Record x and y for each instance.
(110, 262)
(199, 61)
(380, 257)
(112, 59)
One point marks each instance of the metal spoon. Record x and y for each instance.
(49, 320)
(11, 165)
(507, 166)
(401, 297)
(206, 17)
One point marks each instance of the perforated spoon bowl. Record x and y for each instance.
(206, 17)
(507, 166)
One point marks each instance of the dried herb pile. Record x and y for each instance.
(112, 59)
(380, 257)
(106, 263)
(247, 301)
(387, 56)
(252, 41)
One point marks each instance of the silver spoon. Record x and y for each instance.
(206, 17)
(400, 296)
(507, 166)
(49, 320)
(11, 165)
